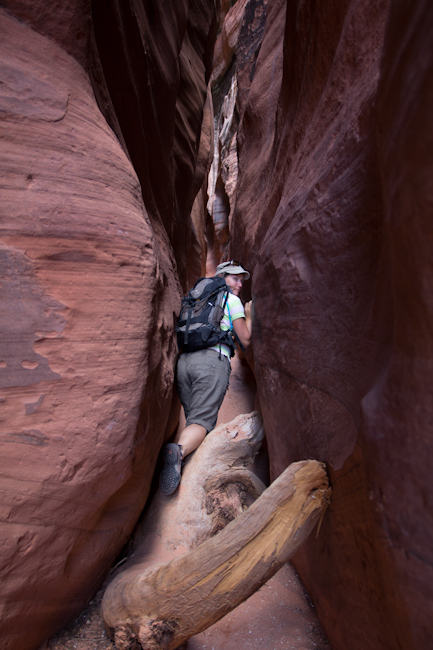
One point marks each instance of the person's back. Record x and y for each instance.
(202, 380)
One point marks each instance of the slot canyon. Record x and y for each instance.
(145, 141)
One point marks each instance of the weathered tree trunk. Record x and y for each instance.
(159, 606)
(216, 487)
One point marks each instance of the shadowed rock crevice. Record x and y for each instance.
(155, 63)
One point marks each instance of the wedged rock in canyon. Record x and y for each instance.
(332, 214)
(90, 287)
(236, 52)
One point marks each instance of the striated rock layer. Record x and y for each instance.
(324, 192)
(89, 286)
(156, 61)
(333, 214)
(85, 288)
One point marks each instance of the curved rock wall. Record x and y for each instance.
(332, 203)
(398, 412)
(100, 230)
(156, 62)
(90, 284)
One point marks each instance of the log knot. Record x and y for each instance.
(157, 634)
(225, 504)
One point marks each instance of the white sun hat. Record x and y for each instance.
(231, 268)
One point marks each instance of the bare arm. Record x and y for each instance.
(242, 327)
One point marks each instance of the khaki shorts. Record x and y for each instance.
(202, 380)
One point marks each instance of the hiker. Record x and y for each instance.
(202, 378)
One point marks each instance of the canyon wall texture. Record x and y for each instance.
(332, 214)
(322, 178)
(90, 280)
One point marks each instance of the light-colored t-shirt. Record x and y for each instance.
(235, 308)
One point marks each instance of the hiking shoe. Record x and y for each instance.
(169, 478)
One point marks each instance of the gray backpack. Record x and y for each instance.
(198, 326)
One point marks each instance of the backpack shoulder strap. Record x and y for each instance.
(228, 309)
(233, 329)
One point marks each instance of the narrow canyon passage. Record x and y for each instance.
(310, 124)
(280, 615)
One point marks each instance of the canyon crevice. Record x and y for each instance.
(141, 143)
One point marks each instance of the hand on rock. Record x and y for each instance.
(248, 310)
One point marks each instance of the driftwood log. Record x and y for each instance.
(216, 487)
(158, 604)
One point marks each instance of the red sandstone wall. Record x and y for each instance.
(156, 63)
(333, 214)
(90, 282)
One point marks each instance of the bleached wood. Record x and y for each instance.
(162, 606)
(175, 524)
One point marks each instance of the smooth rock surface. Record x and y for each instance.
(152, 85)
(89, 293)
(66, 22)
(398, 412)
(332, 214)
